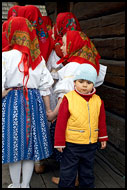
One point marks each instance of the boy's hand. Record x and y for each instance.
(60, 149)
(103, 144)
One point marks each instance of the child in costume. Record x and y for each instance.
(25, 132)
(80, 124)
(33, 14)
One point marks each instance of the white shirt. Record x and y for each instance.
(39, 78)
(52, 65)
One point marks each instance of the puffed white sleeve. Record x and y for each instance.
(46, 80)
(101, 76)
(52, 65)
(4, 71)
(65, 83)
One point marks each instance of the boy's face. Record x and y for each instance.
(63, 47)
(83, 86)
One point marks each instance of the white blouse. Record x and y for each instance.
(52, 65)
(39, 78)
(66, 75)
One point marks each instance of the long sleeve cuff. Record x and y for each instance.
(104, 138)
(59, 146)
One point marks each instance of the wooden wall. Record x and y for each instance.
(104, 24)
(7, 5)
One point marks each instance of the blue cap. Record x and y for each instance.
(86, 72)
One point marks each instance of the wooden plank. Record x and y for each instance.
(115, 72)
(115, 157)
(50, 7)
(5, 176)
(98, 181)
(44, 180)
(107, 179)
(36, 181)
(104, 26)
(110, 169)
(111, 48)
(86, 10)
(63, 7)
(114, 99)
(47, 176)
(116, 130)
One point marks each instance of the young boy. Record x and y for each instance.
(80, 124)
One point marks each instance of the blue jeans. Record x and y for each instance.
(77, 158)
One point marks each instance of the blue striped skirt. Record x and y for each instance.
(14, 145)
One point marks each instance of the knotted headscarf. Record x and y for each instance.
(4, 41)
(64, 22)
(80, 49)
(33, 14)
(13, 11)
(4, 26)
(48, 22)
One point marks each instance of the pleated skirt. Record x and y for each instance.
(14, 144)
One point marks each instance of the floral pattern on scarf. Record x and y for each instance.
(13, 11)
(65, 22)
(33, 14)
(22, 39)
(80, 49)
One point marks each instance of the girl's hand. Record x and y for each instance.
(51, 116)
(48, 111)
(5, 92)
(103, 144)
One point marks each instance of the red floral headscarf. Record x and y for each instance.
(4, 40)
(22, 36)
(4, 26)
(13, 11)
(33, 14)
(64, 22)
(48, 22)
(80, 49)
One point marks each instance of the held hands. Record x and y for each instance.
(51, 116)
(103, 144)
